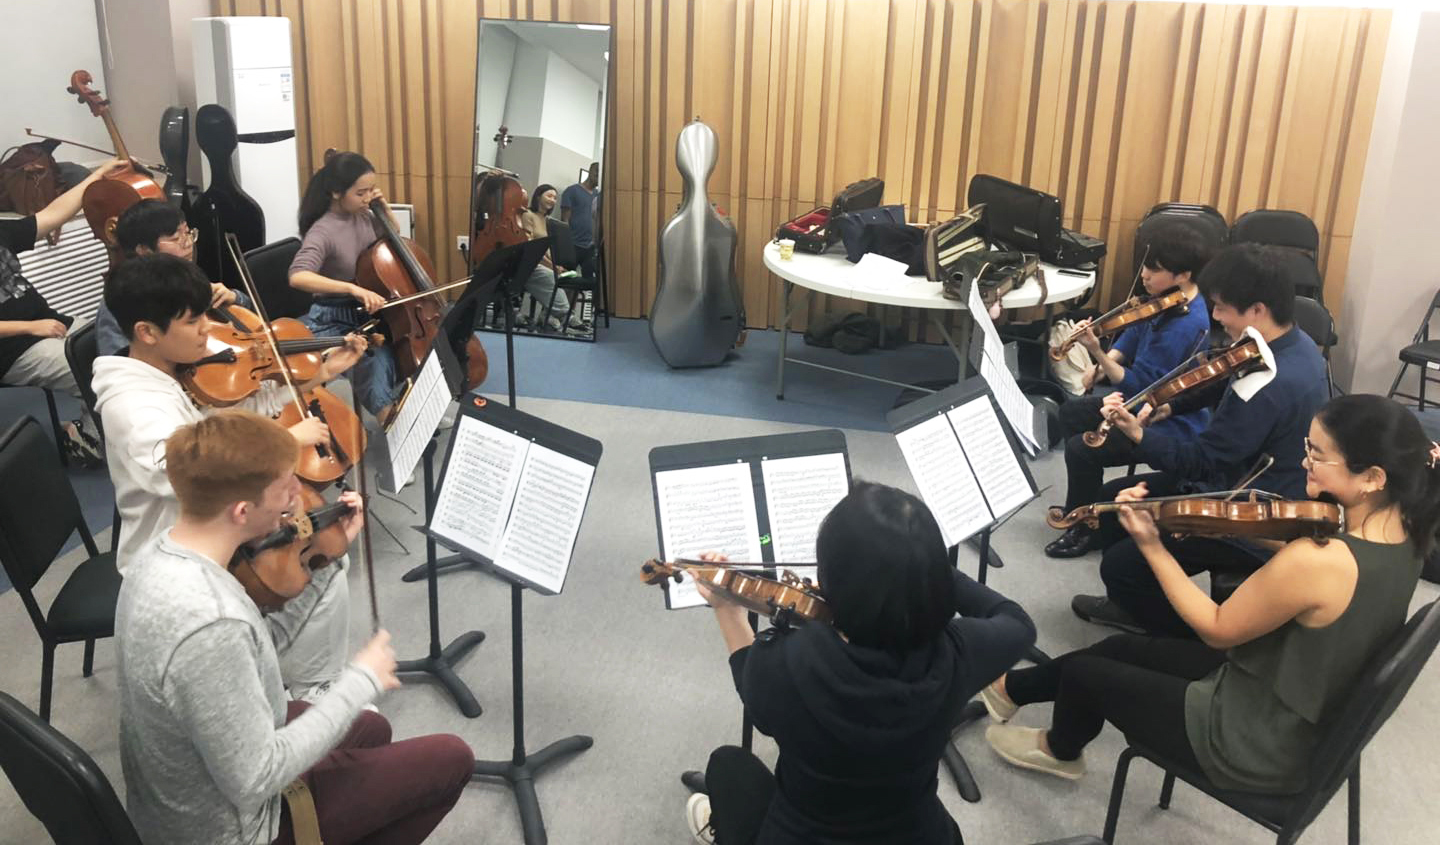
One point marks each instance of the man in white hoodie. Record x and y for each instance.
(160, 303)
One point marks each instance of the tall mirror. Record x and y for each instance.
(540, 105)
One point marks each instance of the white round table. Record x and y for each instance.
(887, 284)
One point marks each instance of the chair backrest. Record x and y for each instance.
(59, 783)
(1373, 698)
(562, 245)
(270, 265)
(38, 508)
(1206, 221)
(1300, 268)
(1277, 227)
(81, 347)
(1314, 320)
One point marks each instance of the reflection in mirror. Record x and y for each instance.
(540, 105)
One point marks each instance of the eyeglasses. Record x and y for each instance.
(1310, 456)
(184, 237)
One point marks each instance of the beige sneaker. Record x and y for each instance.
(1001, 708)
(1021, 747)
(697, 814)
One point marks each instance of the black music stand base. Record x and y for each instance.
(440, 662)
(520, 770)
(449, 563)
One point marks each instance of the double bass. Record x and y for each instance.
(400, 271)
(107, 198)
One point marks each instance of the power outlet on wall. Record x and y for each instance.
(462, 242)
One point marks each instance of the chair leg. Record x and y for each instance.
(1422, 388)
(1354, 795)
(55, 427)
(89, 659)
(115, 530)
(47, 674)
(1167, 789)
(1117, 794)
(1395, 385)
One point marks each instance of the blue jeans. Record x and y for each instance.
(375, 379)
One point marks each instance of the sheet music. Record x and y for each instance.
(945, 481)
(1002, 480)
(418, 419)
(993, 347)
(543, 523)
(479, 486)
(1013, 404)
(800, 492)
(706, 509)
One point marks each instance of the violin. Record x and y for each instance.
(1260, 516)
(788, 598)
(1239, 358)
(242, 359)
(107, 198)
(398, 269)
(1136, 309)
(275, 568)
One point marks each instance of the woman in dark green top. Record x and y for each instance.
(1247, 703)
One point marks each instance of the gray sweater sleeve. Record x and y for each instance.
(213, 684)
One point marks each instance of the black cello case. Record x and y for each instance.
(224, 206)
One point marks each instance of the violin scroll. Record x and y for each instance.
(1056, 517)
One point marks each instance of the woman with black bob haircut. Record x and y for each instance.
(861, 709)
(1248, 702)
(336, 226)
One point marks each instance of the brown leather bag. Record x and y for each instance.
(29, 177)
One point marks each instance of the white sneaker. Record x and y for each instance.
(1020, 746)
(697, 814)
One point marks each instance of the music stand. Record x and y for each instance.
(571, 458)
(492, 278)
(962, 451)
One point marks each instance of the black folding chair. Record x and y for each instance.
(58, 782)
(270, 266)
(38, 513)
(1314, 319)
(1293, 231)
(1373, 697)
(1423, 353)
(81, 350)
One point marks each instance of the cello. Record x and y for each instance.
(106, 198)
(398, 269)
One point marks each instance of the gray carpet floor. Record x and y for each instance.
(651, 686)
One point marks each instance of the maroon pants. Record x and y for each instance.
(374, 791)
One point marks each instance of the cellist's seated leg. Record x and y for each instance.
(376, 380)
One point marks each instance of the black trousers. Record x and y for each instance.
(1133, 682)
(1085, 465)
(741, 789)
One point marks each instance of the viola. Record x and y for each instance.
(1259, 516)
(1136, 309)
(788, 598)
(397, 268)
(241, 358)
(107, 198)
(1239, 358)
(274, 568)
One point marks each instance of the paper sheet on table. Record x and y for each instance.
(997, 468)
(1013, 403)
(993, 346)
(800, 492)
(706, 509)
(478, 490)
(876, 272)
(549, 504)
(944, 478)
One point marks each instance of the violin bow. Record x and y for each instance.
(365, 541)
(233, 244)
(1261, 465)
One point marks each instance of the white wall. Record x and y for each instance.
(59, 38)
(569, 107)
(1391, 279)
(496, 59)
(527, 89)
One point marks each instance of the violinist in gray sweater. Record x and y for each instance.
(208, 740)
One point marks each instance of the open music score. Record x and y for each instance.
(1018, 410)
(416, 420)
(965, 466)
(511, 500)
(754, 499)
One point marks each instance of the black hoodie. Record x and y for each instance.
(861, 731)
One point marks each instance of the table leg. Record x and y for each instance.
(787, 288)
(959, 343)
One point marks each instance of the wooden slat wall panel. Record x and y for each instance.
(1112, 105)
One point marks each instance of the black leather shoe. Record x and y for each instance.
(1075, 542)
(1100, 610)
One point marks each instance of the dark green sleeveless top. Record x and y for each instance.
(1254, 722)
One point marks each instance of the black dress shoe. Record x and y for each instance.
(1075, 542)
(1102, 611)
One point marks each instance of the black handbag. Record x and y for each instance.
(851, 226)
